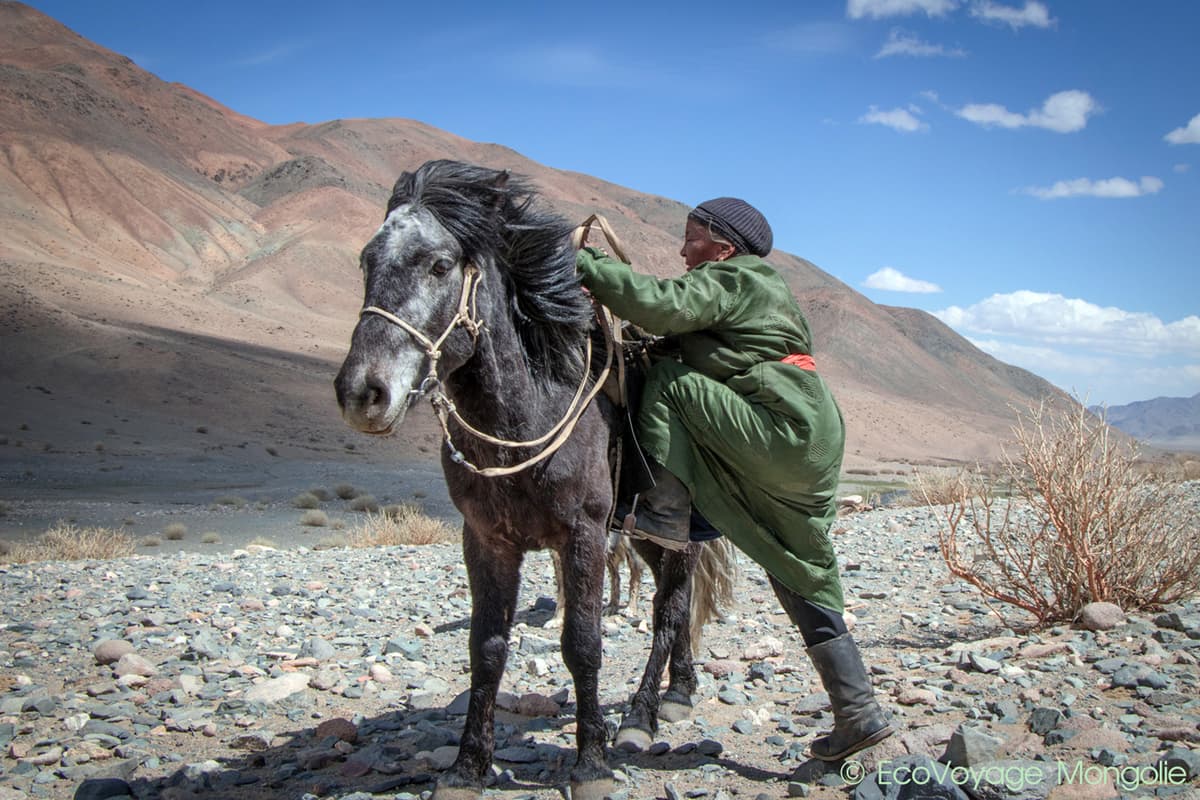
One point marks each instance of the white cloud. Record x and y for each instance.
(877, 9)
(902, 43)
(1181, 168)
(890, 279)
(1034, 13)
(1188, 135)
(1054, 319)
(1108, 188)
(899, 119)
(1064, 112)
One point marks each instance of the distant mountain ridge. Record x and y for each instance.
(1170, 423)
(162, 252)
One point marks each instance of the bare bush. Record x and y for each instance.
(67, 542)
(211, 538)
(401, 525)
(314, 518)
(306, 500)
(175, 531)
(1081, 523)
(364, 502)
(345, 491)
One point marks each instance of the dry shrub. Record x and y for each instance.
(321, 493)
(941, 486)
(66, 542)
(306, 500)
(1082, 523)
(175, 531)
(211, 538)
(345, 491)
(332, 542)
(315, 518)
(364, 502)
(150, 541)
(262, 541)
(401, 525)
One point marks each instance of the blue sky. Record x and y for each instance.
(1027, 171)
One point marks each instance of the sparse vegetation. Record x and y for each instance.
(1071, 519)
(306, 500)
(67, 542)
(321, 493)
(175, 531)
(345, 491)
(315, 518)
(210, 538)
(401, 525)
(150, 541)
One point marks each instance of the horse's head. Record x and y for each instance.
(417, 280)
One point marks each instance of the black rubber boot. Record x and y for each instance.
(663, 513)
(858, 721)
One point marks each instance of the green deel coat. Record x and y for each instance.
(758, 442)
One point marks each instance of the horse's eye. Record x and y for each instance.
(441, 267)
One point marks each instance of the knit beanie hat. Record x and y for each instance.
(737, 221)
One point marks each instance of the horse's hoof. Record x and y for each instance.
(456, 793)
(632, 740)
(671, 711)
(593, 790)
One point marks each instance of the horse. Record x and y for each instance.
(471, 298)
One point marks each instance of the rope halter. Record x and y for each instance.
(467, 316)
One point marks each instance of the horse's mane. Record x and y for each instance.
(493, 213)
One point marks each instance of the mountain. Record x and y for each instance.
(186, 278)
(1168, 423)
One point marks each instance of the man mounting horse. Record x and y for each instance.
(472, 298)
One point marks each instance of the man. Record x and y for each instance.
(743, 429)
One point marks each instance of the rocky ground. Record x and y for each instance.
(339, 673)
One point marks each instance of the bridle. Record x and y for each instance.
(467, 317)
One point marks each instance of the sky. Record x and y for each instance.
(1027, 171)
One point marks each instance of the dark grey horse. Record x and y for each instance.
(471, 297)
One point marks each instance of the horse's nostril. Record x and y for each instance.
(376, 393)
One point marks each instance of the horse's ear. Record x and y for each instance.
(498, 186)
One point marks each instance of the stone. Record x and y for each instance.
(110, 651)
(342, 729)
(275, 689)
(102, 789)
(1100, 616)
(972, 746)
(133, 664)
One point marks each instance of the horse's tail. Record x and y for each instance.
(712, 586)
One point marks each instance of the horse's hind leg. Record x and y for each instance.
(494, 576)
(614, 555)
(582, 558)
(672, 603)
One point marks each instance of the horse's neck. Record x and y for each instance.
(496, 390)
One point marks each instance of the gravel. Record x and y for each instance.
(341, 673)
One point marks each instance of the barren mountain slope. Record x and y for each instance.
(167, 257)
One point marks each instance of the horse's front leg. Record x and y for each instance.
(672, 608)
(494, 576)
(583, 558)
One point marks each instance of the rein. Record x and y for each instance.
(467, 316)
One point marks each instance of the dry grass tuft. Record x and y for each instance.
(175, 531)
(401, 525)
(66, 542)
(306, 500)
(346, 492)
(211, 538)
(150, 541)
(315, 518)
(364, 502)
(321, 493)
